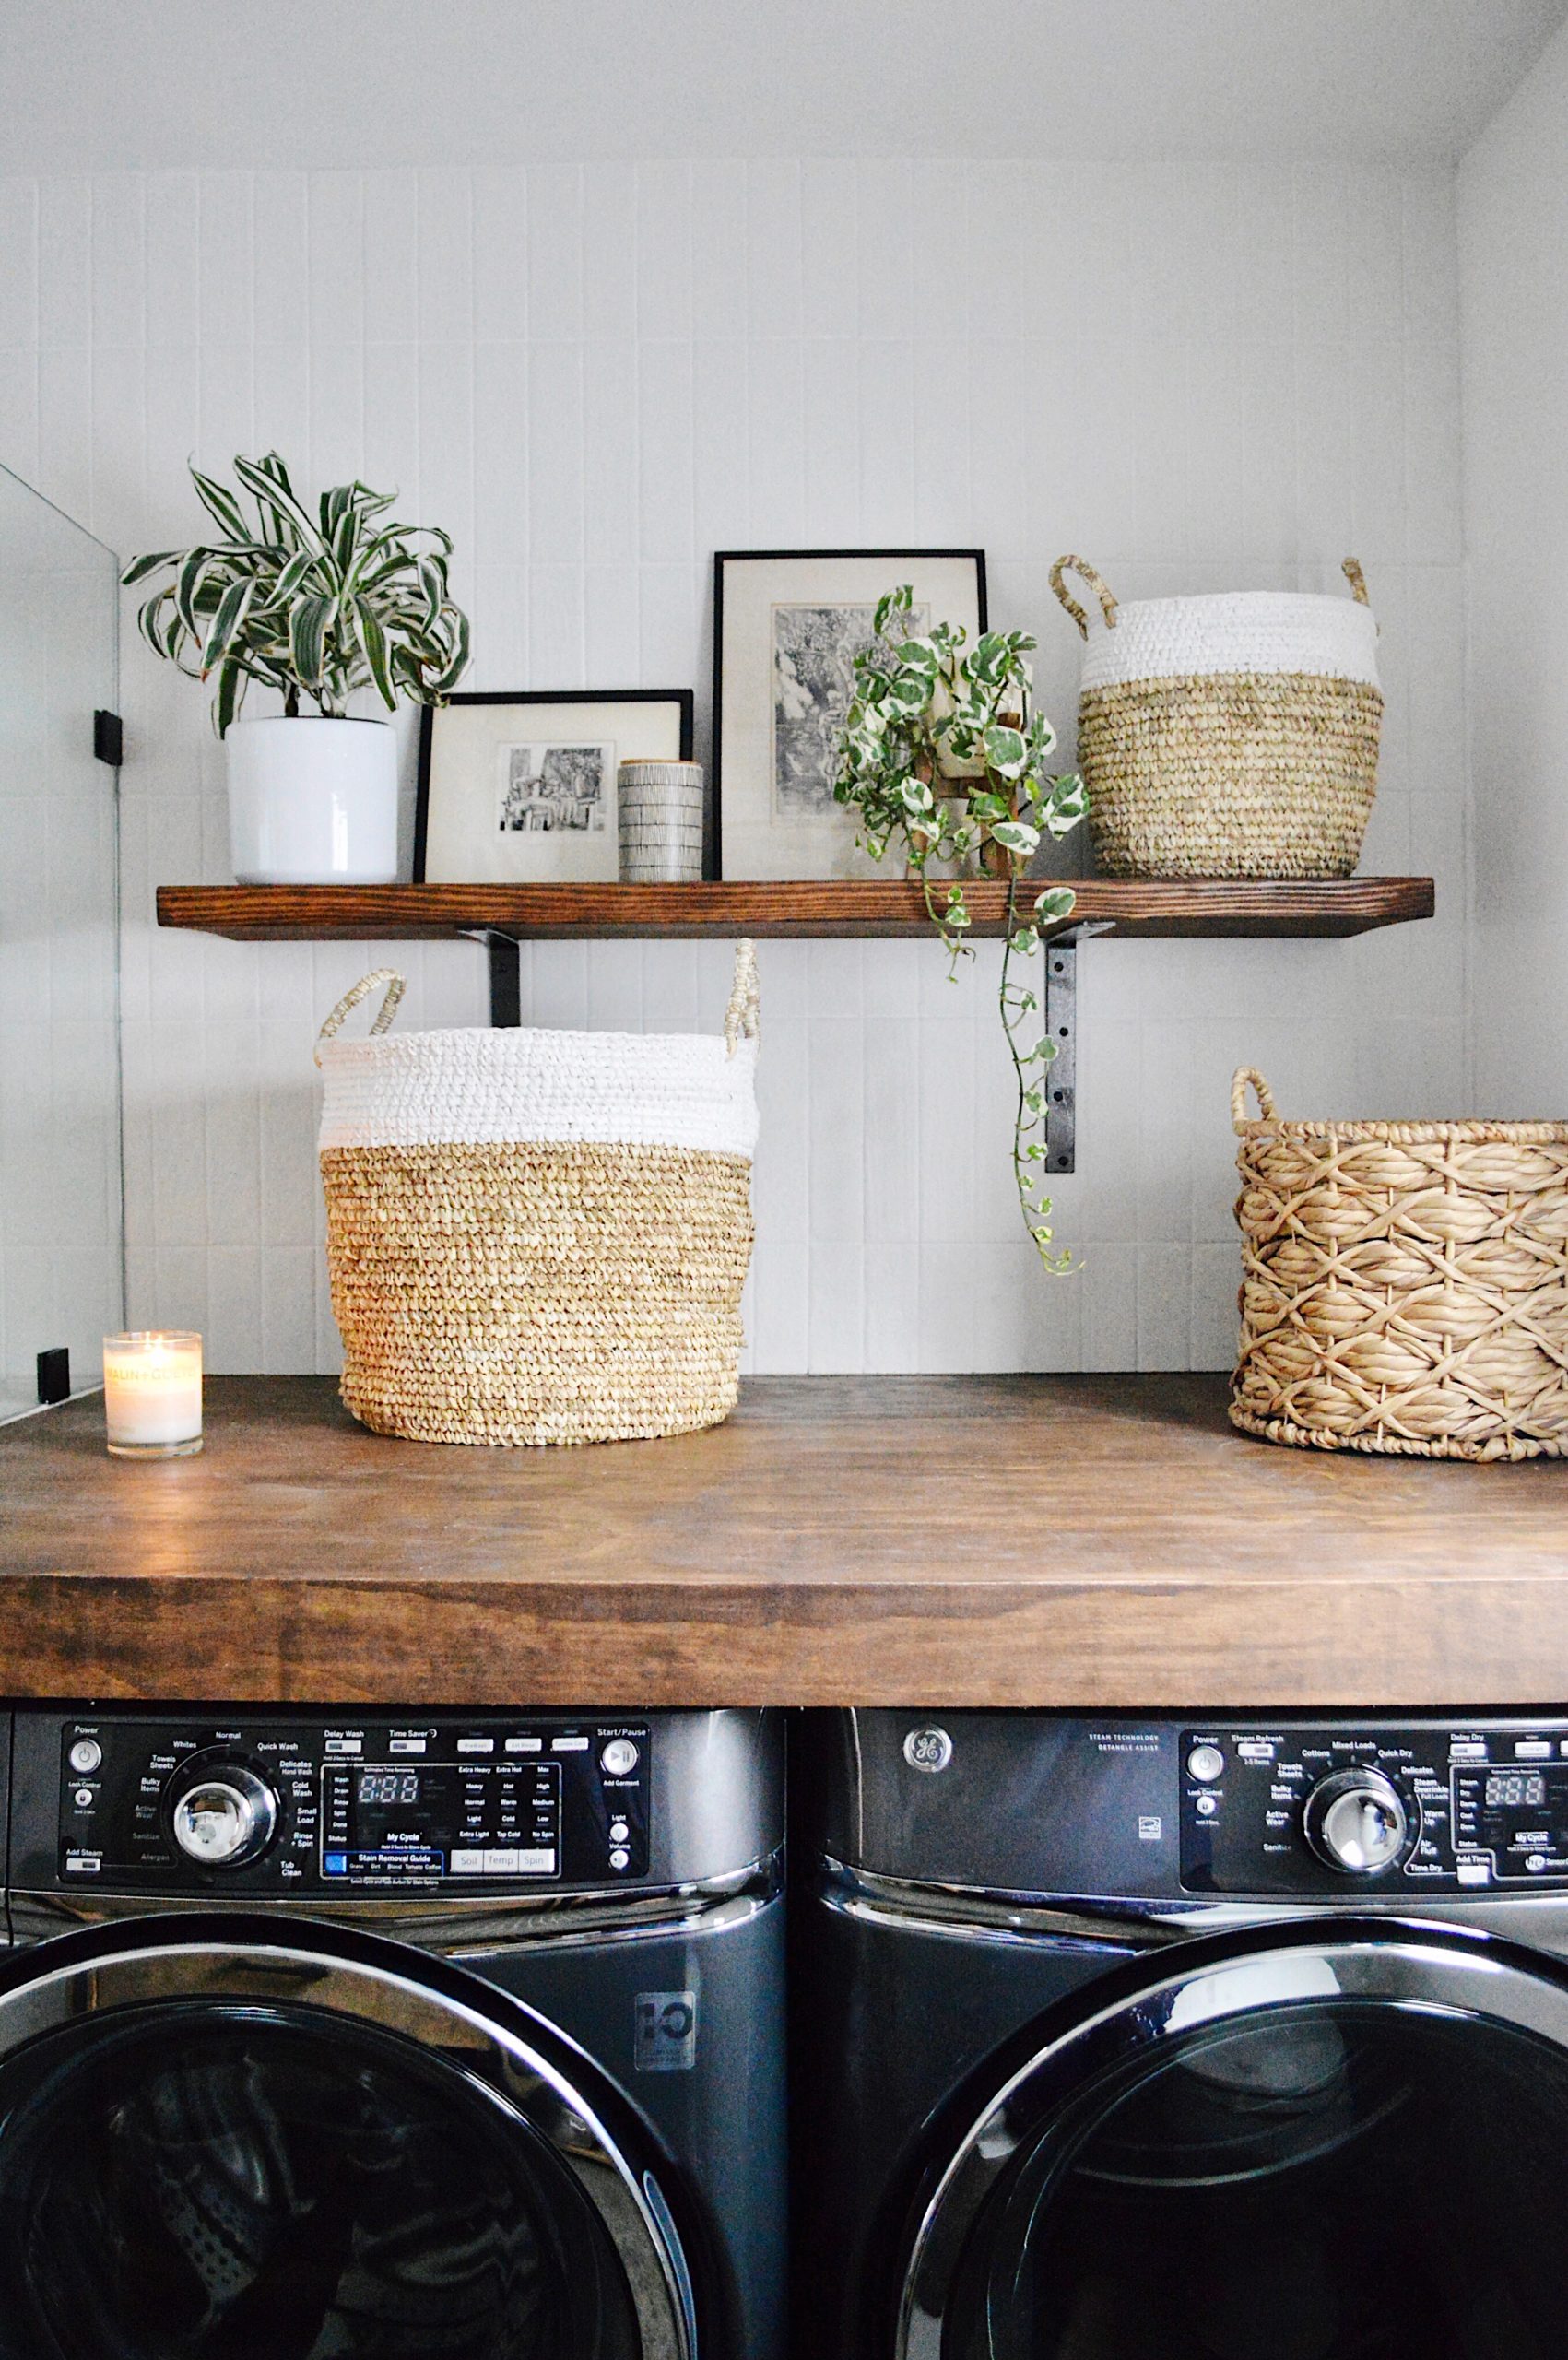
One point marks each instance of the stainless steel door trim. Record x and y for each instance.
(1405, 1965)
(458, 1926)
(1538, 1919)
(167, 1961)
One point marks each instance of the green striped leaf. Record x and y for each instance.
(185, 584)
(445, 682)
(150, 624)
(434, 589)
(231, 694)
(226, 622)
(220, 505)
(140, 567)
(373, 639)
(298, 571)
(307, 634)
(268, 479)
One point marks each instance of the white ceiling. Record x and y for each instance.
(101, 83)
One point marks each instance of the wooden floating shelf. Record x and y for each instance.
(880, 908)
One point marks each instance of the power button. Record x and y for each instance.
(1206, 1762)
(86, 1755)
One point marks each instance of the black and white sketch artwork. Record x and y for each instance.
(814, 652)
(553, 790)
(787, 627)
(520, 786)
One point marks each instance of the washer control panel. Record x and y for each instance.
(313, 1806)
(1291, 1807)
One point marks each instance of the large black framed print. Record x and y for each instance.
(787, 626)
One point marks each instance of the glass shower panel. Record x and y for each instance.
(60, 1230)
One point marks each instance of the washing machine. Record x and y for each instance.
(1197, 2037)
(413, 2036)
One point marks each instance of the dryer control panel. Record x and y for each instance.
(1291, 1807)
(285, 1805)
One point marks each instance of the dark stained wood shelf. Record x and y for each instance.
(1075, 1541)
(879, 908)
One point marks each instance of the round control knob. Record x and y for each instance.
(619, 1758)
(221, 1812)
(1206, 1762)
(1356, 1822)
(86, 1755)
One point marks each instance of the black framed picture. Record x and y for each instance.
(519, 787)
(787, 626)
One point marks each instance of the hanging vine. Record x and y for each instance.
(943, 750)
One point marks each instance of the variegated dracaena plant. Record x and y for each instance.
(315, 605)
(943, 752)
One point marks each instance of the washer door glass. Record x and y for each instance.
(1350, 2178)
(210, 2182)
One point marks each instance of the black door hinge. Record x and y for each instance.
(107, 739)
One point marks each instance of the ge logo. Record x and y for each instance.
(666, 2032)
(929, 1748)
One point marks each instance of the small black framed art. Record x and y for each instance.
(518, 787)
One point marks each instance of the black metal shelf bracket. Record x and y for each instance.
(1060, 1009)
(506, 961)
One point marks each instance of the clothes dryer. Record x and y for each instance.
(421, 2036)
(1215, 2036)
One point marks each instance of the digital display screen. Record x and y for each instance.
(397, 1786)
(1516, 1790)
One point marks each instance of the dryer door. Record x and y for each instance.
(1325, 2142)
(225, 2139)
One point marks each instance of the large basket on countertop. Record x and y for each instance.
(1405, 1285)
(537, 1236)
(1231, 735)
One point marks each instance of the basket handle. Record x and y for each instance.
(1239, 1116)
(1352, 569)
(743, 1017)
(1085, 572)
(396, 987)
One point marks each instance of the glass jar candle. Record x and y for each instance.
(152, 1394)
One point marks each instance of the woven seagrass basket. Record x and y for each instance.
(1404, 1285)
(1227, 737)
(536, 1236)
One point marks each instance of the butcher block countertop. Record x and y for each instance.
(1095, 1542)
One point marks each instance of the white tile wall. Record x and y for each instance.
(1201, 377)
(1514, 261)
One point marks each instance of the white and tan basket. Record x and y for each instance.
(537, 1236)
(1234, 736)
(1404, 1285)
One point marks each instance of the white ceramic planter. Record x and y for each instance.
(312, 802)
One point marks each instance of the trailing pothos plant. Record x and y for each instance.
(943, 749)
(314, 602)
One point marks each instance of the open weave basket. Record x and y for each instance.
(1405, 1285)
(1227, 737)
(536, 1236)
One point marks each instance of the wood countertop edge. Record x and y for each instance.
(891, 1586)
(1062, 1648)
